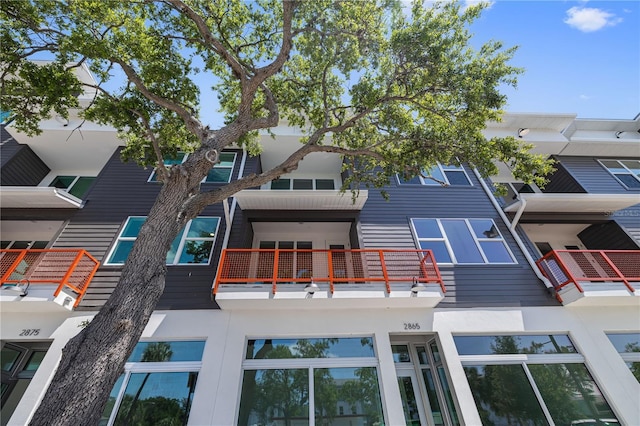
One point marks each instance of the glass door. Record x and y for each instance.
(411, 401)
(424, 388)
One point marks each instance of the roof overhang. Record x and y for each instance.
(572, 203)
(37, 197)
(256, 199)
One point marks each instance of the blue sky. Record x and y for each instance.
(580, 57)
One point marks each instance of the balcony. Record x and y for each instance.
(594, 277)
(367, 278)
(52, 279)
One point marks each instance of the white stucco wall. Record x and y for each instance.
(218, 388)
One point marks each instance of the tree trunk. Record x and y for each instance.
(93, 360)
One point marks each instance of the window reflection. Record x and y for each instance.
(275, 397)
(349, 347)
(354, 389)
(522, 344)
(157, 398)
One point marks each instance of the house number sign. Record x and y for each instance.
(29, 332)
(411, 326)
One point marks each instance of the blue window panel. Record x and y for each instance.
(461, 241)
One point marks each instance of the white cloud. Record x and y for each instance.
(588, 19)
(584, 97)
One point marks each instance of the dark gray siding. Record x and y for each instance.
(562, 181)
(606, 236)
(385, 224)
(121, 190)
(597, 180)
(20, 165)
(592, 176)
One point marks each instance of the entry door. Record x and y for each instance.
(411, 401)
(423, 384)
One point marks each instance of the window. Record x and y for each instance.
(450, 175)
(307, 381)
(157, 386)
(462, 241)
(20, 361)
(540, 379)
(193, 245)
(626, 171)
(300, 184)
(628, 346)
(74, 185)
(219, 173)
(168, 162)
(22, 245)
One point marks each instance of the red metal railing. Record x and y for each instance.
(70, 268)
(564, 267)
(336, 267)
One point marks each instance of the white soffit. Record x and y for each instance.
(255, 199)
(573, 203)
(37, 197)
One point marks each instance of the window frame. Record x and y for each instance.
(69, 188)
(627, 357)
(232, 167)
(628, 171)
(183, 235)
(311, 365)
(524, 360)
(138, 367)
(476, 240)
(204, 180)
(314, 184)
(442, 169)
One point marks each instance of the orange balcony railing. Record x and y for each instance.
(335, 267)
(564, 267)
(68, 268)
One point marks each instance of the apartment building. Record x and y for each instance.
(294, 304)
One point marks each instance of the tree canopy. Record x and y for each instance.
(398, 89)
(391, 89)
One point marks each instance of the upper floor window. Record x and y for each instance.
(449, 174)
(220, 173)
(74, 185)
(192, 245)
(22, 245)
(626, 171)
(462, 241)
(299, 184)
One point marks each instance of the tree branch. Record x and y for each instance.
(192, 123)
(209, 38)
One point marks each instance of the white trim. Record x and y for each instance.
(629, 172)
(181, 244)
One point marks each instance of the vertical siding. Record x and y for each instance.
(385, 224)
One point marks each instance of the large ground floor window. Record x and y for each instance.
(20, 361)
(628, 346)
(531, 380)
(293, 382)
(157, 386)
